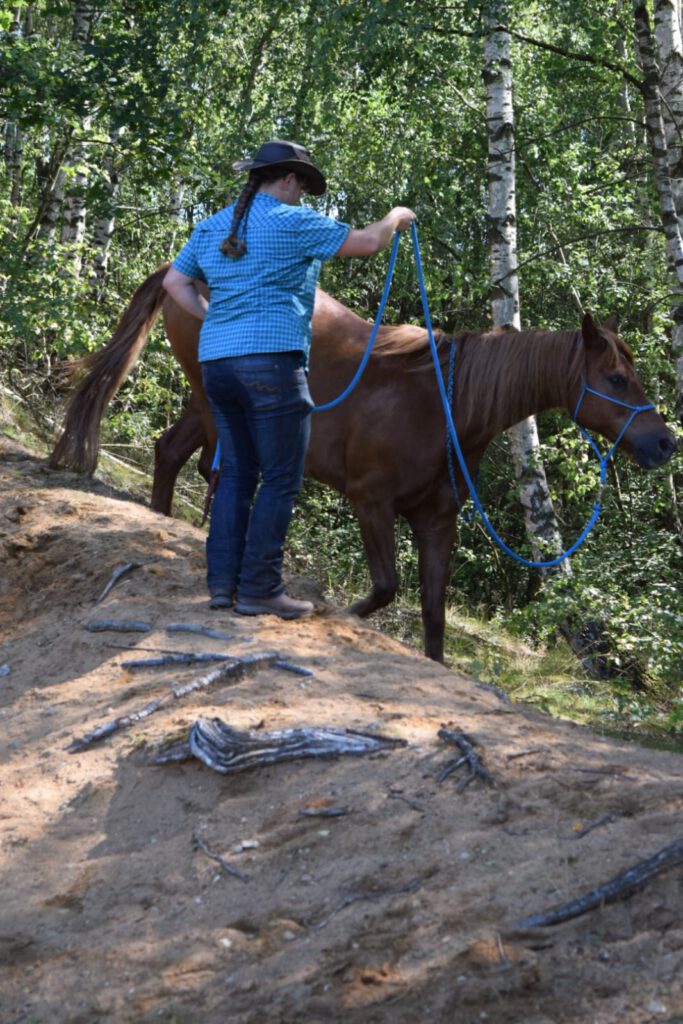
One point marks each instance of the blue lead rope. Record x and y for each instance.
(450, 425)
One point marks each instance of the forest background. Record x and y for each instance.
(121, 120)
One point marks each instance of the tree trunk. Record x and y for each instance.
(670, 87)
(533, 488)
(75, 210)
(14, 137)
(103, 229)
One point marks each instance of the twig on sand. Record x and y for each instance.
(176, 658)
(199, 844)
(188, 627)
(616, 889)
(118, 626)
(469, 757)
(119, 573)
(367, 894)
(605, 819)
(232, 670)
(297, 670)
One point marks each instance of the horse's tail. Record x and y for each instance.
(78, 447)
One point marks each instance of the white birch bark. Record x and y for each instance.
(669, 41)
(539, 514)
(53, 210)
(14, 137)
(103, 228)
(667, 28)
(662, 167)
(174, 205)
(75, 210)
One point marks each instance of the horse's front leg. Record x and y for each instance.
(376, 521)
(171, 451)
(435, 526)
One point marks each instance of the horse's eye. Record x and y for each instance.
(617, 380)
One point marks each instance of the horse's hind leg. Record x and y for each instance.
(435, 526)
(171, 451)
(376, 523)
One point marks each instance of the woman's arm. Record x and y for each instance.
(184, 290)
(367, 241)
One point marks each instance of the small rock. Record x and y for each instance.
(654, 1006)
(4, 669)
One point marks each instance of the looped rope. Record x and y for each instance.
(452, 436)
(597, 507)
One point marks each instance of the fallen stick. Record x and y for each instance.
(176, 658)
(118, 626)
(469, 757)
(199, 844)
(368, 894)
(234, 670)
(616, 889)
(215, 634)
(118, 574)
(289, 666)
(604, 820)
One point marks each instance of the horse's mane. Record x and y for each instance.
(494, 367)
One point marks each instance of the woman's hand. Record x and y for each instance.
(367, 241)
(403, 217)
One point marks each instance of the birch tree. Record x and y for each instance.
(14, 136)
(539, 514)
(103, 228)
(669, 79)
(75, 210)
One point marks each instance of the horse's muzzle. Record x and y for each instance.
(654, 449)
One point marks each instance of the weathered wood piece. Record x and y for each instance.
(118, 626)
(234, 670)
(228, 751)
(297, 670)
(118, 574)
(616, 889)
(469, 757)
(176, 658)
(199, 844)
(188, 627)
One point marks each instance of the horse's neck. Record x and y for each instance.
(503, 379)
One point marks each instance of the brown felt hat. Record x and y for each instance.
(289, 155)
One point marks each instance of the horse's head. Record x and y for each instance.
(610, 398)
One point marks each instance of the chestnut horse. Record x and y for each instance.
(384, 446)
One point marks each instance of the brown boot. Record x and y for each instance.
(282, 605)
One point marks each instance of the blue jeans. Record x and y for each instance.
(261, 405)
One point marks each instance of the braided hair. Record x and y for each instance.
(235, 244)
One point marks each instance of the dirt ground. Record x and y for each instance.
(402, 909)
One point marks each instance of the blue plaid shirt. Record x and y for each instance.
(263, 301)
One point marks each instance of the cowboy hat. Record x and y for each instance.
(289, 155)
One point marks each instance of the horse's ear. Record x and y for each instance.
(611, 324)
(591, 333)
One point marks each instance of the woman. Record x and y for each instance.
(261, 258)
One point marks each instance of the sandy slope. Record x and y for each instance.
(401, 910)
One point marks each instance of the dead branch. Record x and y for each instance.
(119, 573)
(233, 670)
(199, 844)
(469, 757)
(616, 889)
